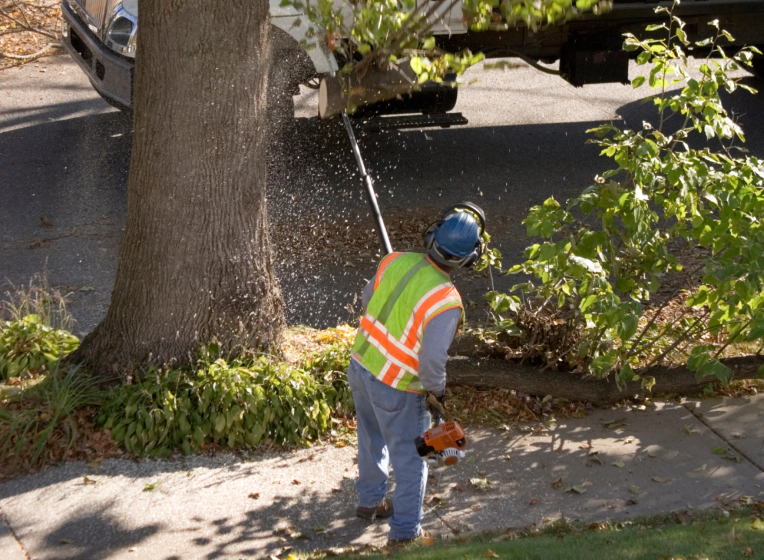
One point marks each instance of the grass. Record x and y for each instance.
(709, 535)
(39, 422)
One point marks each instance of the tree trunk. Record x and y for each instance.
(530, 379)
(195, 264)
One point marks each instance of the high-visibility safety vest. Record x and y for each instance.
(409, 290)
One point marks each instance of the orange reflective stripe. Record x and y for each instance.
(389, 376)
(382, 266)
(418, 306)
(388, 344)
(388, 338)
(420, 315)
(454, 305)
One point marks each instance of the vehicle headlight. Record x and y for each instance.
(121, 30)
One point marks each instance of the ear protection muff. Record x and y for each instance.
(448, 260)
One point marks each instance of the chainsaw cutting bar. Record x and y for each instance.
(370, 194)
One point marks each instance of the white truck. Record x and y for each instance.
(101, 36)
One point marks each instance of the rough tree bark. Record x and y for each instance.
(195, 263)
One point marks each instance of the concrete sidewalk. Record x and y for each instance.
(626, 462)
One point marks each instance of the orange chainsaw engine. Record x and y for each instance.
(446, 439)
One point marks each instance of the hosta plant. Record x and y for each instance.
(241, 402)
(28, 346)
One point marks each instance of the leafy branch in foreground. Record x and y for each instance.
(680, 180)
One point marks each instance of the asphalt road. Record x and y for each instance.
(64, 157)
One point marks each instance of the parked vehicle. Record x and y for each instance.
(101, 36)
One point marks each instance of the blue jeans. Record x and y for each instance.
(388, 422)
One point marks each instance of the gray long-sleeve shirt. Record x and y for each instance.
(436, 339)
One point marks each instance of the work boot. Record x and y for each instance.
(383, 511)
(425, 538)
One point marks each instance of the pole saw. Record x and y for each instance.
(443, 444)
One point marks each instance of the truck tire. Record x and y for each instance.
(443, 101)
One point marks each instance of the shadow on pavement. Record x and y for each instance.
(627, 463)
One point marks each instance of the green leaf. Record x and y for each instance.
(637, 82)
(629, 327)
(220, 423)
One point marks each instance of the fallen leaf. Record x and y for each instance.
(86, 480)
(296, 482)
(254, 495)
(631, 502)
(471, 459)
(475, 507)
(340, 443)
(719, 450)
(45, 222)
(480, 483)
(95, 463)
(585, 446)
(133, 549)
(336, 490)
(86, 289)
(458, 487)
(748, 552)
(578, 489)
(657, 478)
(619, 464)
(482, 474)
(557, 484)
(689, 430)
(490, 554)
(66, 541)
(634, 489)
(594, 457)
(533, 501)
(586, 483)
(613, 424)
(150, 487)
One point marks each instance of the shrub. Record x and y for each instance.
(28, 346)
(244, 401)
(603, 254)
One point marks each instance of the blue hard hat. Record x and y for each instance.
(458, 234)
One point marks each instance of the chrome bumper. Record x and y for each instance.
(110, 74)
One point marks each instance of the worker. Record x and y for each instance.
(412, 312)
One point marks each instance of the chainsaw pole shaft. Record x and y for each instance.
(370, 194)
